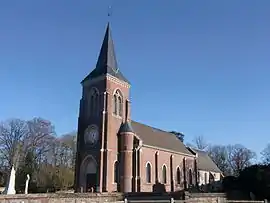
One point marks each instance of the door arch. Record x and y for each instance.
(88, 173)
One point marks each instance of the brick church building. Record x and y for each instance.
(115, 153)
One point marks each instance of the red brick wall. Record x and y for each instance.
(148, 155)
(113, 128)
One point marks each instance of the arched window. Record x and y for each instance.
(156, 166)
(115, 104)
(164, 174)
(178, 176)
(94, 101)
(211, 177)
(148, 173)
(116, 172)
(190, 177)
(118, 103)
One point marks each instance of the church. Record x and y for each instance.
(115, 153)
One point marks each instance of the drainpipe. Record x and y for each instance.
(102, 183)
(136, 165)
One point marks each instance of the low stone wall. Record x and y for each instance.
(62, 198)
(113, 197)
(206, 197)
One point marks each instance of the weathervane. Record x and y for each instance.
(109, 12)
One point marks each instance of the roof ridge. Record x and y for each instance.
(155, 137)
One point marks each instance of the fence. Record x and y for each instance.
(217, 200)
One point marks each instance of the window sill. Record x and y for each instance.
(116, 116)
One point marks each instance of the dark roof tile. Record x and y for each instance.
(126, 127)
(107, 63)
(159, 138)
(205, 163)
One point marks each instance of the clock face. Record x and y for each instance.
(91, 134)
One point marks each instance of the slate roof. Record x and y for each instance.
(205, 163)
(107, 63)
(159, 138)
(126, 127)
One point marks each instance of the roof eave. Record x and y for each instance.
(168, 150)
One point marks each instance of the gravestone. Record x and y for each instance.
(27, 183)
(10, 188)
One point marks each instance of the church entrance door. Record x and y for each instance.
(91, 182)
(88, 174)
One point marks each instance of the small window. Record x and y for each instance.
(120, 106)
(94, 101)
(205, 178)
(148, 173)
(178, 176)
(164, 174)
(190, 177)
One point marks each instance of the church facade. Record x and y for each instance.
(115, 153)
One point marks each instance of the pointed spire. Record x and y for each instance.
(107, 54)
(107, 63)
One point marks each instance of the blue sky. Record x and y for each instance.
(198, 67)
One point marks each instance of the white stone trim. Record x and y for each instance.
(117, 81)
(148, 162)
(167, 150)
(108, 77)
(118, 93)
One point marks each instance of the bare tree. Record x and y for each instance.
(200, 143)
(33, 147)
(219, 155)
(17, 137)
(41, 135)
(179, 135)
(68, 144)
(13, 132)
(266, 154)
(239, 157)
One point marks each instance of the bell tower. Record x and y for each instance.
(103, 107)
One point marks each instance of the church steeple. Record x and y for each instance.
(107, 63)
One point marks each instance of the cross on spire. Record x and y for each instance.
(109, 11)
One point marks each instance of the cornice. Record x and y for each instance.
(107, 77)
(117, 81)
